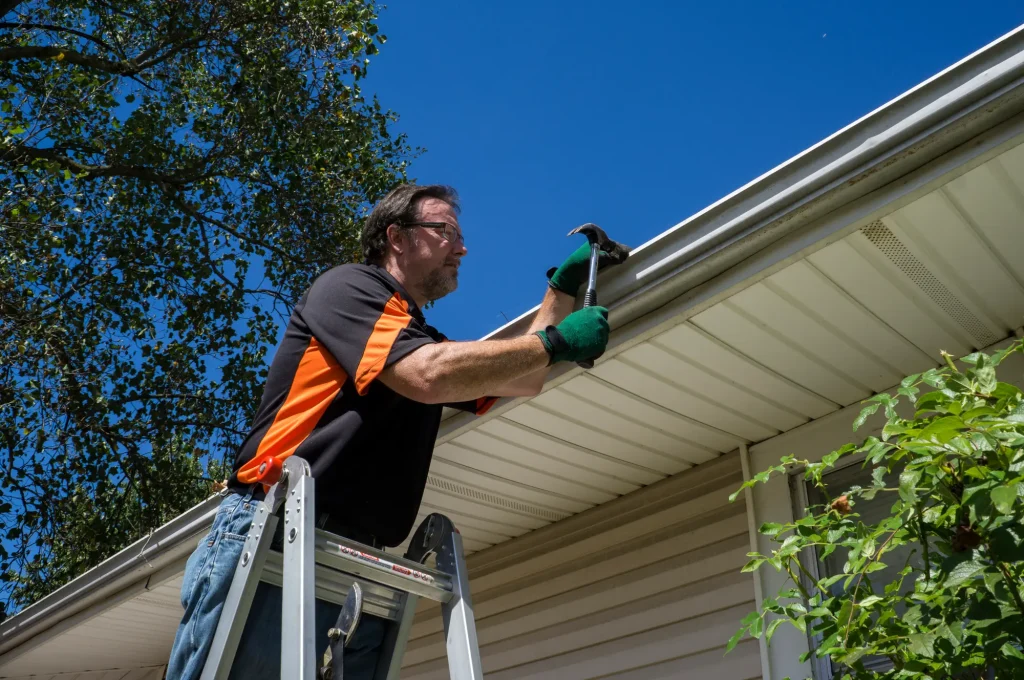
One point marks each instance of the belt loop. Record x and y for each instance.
(250, 492)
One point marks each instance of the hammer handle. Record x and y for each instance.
(588, 301)
(590, 298)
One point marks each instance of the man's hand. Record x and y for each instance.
(582, 335)
(573, 272)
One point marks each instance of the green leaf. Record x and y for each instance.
(934, 377)
(922, 644)
(771, 528)
(963, 572)
(734, 640)
(771, 629)
(930, 401)
(854, 655)
(756, 627)
(865, 413)
(908, 485)
(986, 378)
(752, 565)
(893, 428)
(1004, 497)
(910, 380)
(845, 613)
(942, 429)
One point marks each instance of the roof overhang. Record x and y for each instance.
(812, 262)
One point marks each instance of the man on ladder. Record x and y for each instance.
(356, 389)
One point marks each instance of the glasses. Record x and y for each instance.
(448, 231)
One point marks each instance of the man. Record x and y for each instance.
(356, 388)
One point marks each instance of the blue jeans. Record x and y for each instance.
(208, 575)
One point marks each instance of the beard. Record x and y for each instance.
(440, 282)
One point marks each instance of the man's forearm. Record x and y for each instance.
(555, 306)
(453, 372)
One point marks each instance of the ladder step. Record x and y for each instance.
(332, 586)
(396, 572)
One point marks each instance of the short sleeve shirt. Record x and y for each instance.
(368, 447)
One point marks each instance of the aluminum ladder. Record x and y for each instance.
(314, 564)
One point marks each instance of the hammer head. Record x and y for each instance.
(595, 234)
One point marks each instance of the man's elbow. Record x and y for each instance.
(416, 379)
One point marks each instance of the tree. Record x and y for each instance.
(172, 176)
(953, 608)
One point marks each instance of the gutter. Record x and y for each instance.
(171, 542)
(967, 99)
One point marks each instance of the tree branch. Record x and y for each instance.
(21, 153)
(61, 29)
(40, 52)
(121, 67)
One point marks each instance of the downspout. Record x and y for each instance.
(748, 496)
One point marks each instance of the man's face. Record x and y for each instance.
(431, 260)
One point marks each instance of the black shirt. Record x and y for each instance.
(368, 447)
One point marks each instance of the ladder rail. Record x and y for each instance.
(298, 621)
(459, 622)
(389, 665)
(241, 592)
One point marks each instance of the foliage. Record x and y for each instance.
(172, 177)
(955, 609)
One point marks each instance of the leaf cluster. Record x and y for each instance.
(952, 607)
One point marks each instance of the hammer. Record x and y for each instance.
(598, 241)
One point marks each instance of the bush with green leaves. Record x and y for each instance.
(952, 606)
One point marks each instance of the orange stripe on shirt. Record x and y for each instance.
(392, 321)
(317, 381)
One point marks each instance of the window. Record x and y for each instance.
(871, 512)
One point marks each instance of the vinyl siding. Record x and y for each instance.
(646, 586)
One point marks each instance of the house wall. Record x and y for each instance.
(646, 586)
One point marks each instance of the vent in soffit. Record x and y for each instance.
(480, 496)
(894, 249)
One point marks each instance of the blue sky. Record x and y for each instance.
(546, 115)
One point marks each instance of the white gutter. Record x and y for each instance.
(971, 97)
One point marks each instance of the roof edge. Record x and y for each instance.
(132, 564)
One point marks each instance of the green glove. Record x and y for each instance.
(582, 335)
(574, 271)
